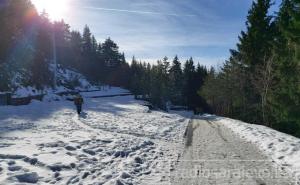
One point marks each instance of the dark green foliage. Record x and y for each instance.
(188, 90)
(158, 90)
(163, 83)
(244, 82)
(260, 81)
(176, 82)
(286, 109)
(255, 43)
(193, 81)
(87, 41)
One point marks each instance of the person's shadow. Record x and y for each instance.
(83, 115)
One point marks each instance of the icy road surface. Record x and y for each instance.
(115, 141)
(215, 155)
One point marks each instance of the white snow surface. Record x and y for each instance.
(27, 91)
(67, 76)
(116, 140)
(282, 148)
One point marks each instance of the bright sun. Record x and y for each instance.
(55, 8)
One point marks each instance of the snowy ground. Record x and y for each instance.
(115, 141)
(119, 141)
(215, 155)
(281, 148)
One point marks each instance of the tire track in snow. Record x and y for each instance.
(212, 148)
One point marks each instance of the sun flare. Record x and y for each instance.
(55, 8)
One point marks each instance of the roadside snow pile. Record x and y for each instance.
(115, 141)
(282, 148)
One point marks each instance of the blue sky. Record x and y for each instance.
(152, 29)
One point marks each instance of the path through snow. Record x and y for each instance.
(215, 155)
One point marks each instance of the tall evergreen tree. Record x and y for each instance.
(94, 45)
(188, 86)
(76, 61)
(87, 41)
(110, 52)
(286, 107)
(62, 38)
(176, 81)
(255, 51)
(41, 75)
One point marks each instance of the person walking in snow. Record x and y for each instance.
(78, 101)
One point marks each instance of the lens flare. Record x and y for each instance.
(55, 8)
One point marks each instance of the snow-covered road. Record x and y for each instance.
(215, 155)
(119, 141)
(115, 141)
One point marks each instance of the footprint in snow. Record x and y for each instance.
(27, 177)
(88, 151)
(296, 148)
(14, 168)
(10, 163)
(281, 157)
(270, 145)
(70, 148)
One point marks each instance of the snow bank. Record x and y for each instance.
(281, 148)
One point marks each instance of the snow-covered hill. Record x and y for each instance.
(67, 80)
(115, 141)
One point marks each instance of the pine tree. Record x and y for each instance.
(62, 40)
(87, 41)
(255, 53)
(189, 92)
(255, 43)
(41, 75)
(94, 44)
(286, 107)
(76, 62)
(176, 82)
(159, 86)
(110, 52)
(211, 91)
(134, 80)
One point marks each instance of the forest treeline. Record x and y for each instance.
(26, 51)
(260, 82)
